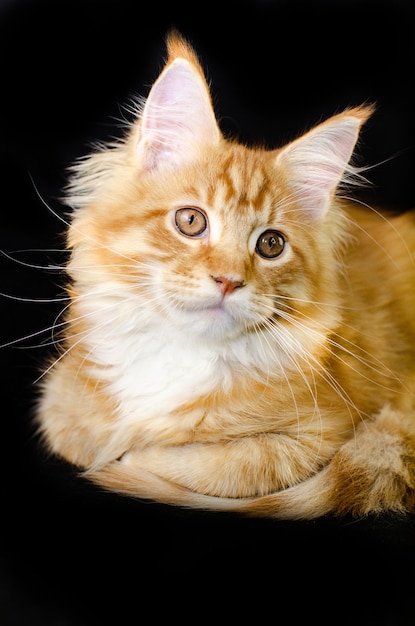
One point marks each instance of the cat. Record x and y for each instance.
(240, 335)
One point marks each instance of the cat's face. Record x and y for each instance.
(217, 249)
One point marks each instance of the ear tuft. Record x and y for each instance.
(318, 162)
(178, 116)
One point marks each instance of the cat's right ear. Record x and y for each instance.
(178, 115)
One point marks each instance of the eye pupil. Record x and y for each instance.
(270, 244)
(190, 222)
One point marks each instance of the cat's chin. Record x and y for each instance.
(212, 323)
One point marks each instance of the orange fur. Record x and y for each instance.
(263, 365)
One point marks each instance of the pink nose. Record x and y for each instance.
(227, 285)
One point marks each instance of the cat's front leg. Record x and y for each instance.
(375, 471)
(243, 467)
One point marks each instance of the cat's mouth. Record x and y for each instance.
(220, 308)
(213, 320)
(218, 311)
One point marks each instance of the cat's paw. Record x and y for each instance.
(375, 471)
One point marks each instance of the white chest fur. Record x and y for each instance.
(152, 366)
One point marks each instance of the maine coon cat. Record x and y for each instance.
(240, 334)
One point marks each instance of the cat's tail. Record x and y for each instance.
(310, 499)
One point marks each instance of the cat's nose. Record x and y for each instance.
(227, 285)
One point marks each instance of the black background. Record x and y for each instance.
(70, 554)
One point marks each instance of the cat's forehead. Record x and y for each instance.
(242, 179)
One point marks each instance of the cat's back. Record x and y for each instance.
(384, 240)
(380, 271)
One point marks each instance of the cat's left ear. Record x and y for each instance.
(178, 115)
(315, 164)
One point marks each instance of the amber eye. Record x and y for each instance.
(191, 222)
(270, 244)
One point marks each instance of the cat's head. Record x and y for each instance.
(216, 238)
